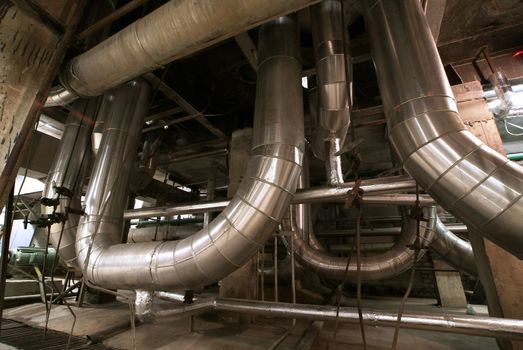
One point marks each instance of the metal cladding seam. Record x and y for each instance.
(476, 184)
(332, 67)
(455, 251)
(251, 216)
(175, 30)
(334, 83)
(384, 265)
(66, 176)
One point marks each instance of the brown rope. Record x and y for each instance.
(418, 213)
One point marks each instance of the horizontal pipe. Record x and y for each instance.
(447, 323)
(174, 30)
(319, 194)
(384, 231)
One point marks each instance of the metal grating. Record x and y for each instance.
(25, 337)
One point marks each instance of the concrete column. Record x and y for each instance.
(500, 272)
(241, 283)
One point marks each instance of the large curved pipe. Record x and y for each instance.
(455, 251)
(476, 184)
(64, 182)
(174, 30)
(388, 264)
(251, 216)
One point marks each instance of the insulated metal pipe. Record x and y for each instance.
(161, 233)
(251, 216)
(333, 73)
(455, 251)
(333, 164)
(107, 192)
(318, 194)
(470, 180)
(447, 323)
(334, 82)
(379, 266)
(64, 182)
(173, 31)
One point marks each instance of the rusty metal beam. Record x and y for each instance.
(180, 101)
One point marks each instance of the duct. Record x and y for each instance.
(317, 194)
(303, 211)
(333, 167)
(384, 265)
(161, 233)
(65, 179)
(476, 184)
(106, 197)
(334, 82)
(96, 136)
(455, 251)
(448, 323)
(251, 216)
(174, 30)
(60, 96)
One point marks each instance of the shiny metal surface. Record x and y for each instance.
(334, 84)
(302, 212)
(251, 216)
(161, 233)
(333, 168)
(449, 323)
(372, 188)
(333, 70)
(107, 192)
(60, 96)
(477, 185)
(454, 250)
(211, 189)
(173, 31)
(378, 266)
(143, 305)
(65, 179)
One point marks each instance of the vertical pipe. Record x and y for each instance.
(106, 196)
(263, 273)
(8, 222)
(333, 167)
(334, 77)
(65, 179)
(275, 268)
(211, 188)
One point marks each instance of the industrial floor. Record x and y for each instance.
(110, 325)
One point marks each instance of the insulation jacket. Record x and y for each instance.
(479, 186)
(252, 214)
